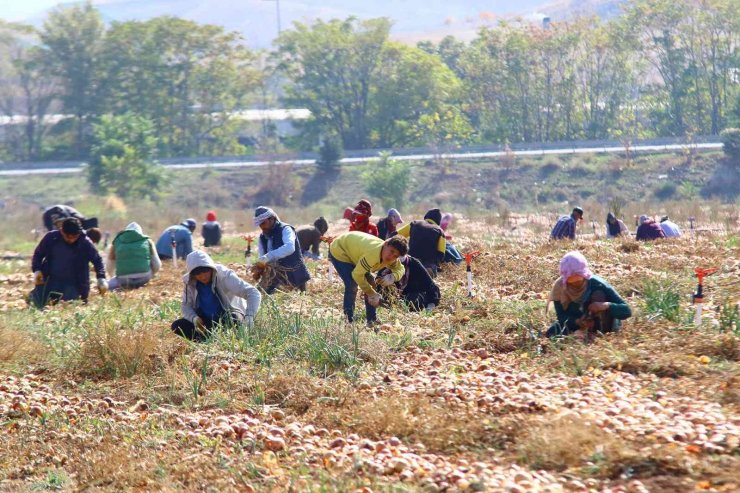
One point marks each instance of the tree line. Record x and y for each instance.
(663, 68)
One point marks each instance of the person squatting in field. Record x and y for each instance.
(355, 255)
(279, 248)
(309, 237)
(213, 296)
(565, 227)
(133, 257)
(60, 265)
(388, 225)
(584, 303)
(416, 287)
(648, 230)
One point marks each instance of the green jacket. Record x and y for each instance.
(618, 308)
(133, 253)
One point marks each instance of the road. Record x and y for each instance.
(413, 157)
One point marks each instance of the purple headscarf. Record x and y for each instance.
(574, 263)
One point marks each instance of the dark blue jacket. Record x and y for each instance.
(296, 269)
(85, 252)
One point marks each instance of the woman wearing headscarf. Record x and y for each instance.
(133, 257)
(361, 218)
(648, 230)
(615, 227)
(451, 253)
(583, 301)
(388, 225)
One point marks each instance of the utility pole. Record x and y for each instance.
(277, 8)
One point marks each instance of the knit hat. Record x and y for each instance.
(211, 216)
(663, 219)
(71, 226)
(364, 207)
(262, 214)
(394, 216)
(574, 263)
(435, 215)
(190, 223)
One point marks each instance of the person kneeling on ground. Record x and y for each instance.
(60, 265)
(213, 295)
(451, 252)
(615, 227)
(356, 254)
(211, 230)
(584, 303)
(133, 257)
(648, 230)
(670, 229)
(418, 289)
(309, 237)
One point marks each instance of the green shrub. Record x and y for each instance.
(666, 190)
(330, 153)
(388, 180)
(731, 143)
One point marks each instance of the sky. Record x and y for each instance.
(15, 10)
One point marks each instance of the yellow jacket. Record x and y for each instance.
(363, 251)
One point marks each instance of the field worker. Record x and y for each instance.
(648, 230)
(426, 240)
(54, 215)
(388, 225)
(133, 257)
(309, 237)
(213, 295)
(670, 229)
(361, 218)
(584, 303)
(566, 225)
(451, 253)
(278, 247)
(355, 256)
(60, 265)
(211, 230)
(417, 288)
(181, 235)
(615, 227)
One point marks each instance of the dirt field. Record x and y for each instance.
(103, 397)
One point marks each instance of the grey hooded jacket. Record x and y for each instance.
(235, 295)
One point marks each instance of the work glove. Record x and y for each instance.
(200, 326)
(102, 286)
(374, 299)
(38, 278)
(387, 280)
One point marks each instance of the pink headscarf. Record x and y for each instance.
(446, 221)
(574, 263)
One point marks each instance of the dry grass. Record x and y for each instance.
(568, 441)
(17, 347)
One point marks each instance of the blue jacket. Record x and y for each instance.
(85, 252)
(182, 236)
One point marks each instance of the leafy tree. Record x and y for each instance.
(71, 41)
(331, 66)
(731, 143)
(330, 153)
(122, 157)
(388, 180)
(185, 77)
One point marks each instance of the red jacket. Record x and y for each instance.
(365, 227)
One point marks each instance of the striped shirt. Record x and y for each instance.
(564, 228)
